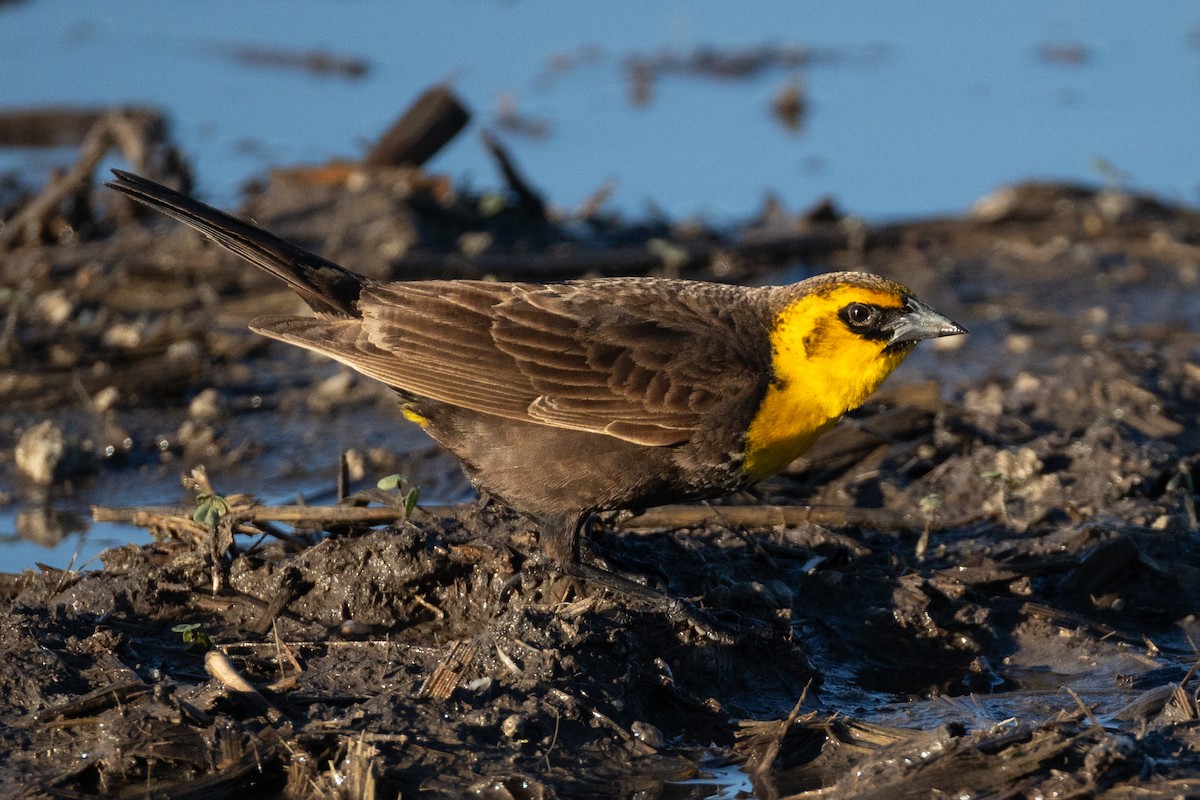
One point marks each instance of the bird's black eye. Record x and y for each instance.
(860, 315)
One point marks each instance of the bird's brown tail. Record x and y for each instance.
(327, 287)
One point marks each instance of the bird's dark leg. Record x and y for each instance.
(560, 536)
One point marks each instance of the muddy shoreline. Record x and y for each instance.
(1026, 628)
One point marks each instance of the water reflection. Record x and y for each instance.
(47, 526)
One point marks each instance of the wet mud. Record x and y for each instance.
(996, 598)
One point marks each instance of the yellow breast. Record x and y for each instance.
(821, 370)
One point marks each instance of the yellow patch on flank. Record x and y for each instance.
(413, 416)
(815, 383)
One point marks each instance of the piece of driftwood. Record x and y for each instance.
(63, 126)
(303, 516)
(98, 700)
(139, 137)
(426, 127)
(681, 516)
(221, 668)
(26, 223)
(316, 62)
(672, 516)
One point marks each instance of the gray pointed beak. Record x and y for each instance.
(919, 321)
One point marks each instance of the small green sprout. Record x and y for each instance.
(408, 495)
(209, 509)
(193, 637)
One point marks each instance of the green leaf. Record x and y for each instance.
(209, 509)
(193, 638)
(207, 515)
(389, 482)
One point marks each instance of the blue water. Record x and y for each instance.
(936, 104)
(78, 550)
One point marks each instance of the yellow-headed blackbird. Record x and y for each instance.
(563, 399)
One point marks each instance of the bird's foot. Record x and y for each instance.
(676, 608)
(560, 539)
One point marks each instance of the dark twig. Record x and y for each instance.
(772, 751)
(527, 199)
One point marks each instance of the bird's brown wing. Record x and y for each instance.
(645, 368)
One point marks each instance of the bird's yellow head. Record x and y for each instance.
(834, 339)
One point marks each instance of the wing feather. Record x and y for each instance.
(642, 360)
